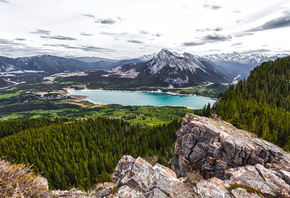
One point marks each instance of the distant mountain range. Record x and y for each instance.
(164, 68)
(238, 66)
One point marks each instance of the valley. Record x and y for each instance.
(46, 124)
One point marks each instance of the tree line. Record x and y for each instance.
(80, 153)
(261, 104)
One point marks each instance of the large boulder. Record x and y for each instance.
(213, 146)
(258, 178)
(138, 178)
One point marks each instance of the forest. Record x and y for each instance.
(80, 153)
(261, 104)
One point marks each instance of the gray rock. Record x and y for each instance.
(140, 175)
(127, 192)
(220, 165)
(41, 181)
(106, 190)
(138, 179)
(212, 146)
(188, 143)
(214, 149)
(285, 175)
(164, 177)
(123, 168)
(155, 193)
(198, 152)
(260, 178)
(212, 188)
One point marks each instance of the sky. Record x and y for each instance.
(120, 29)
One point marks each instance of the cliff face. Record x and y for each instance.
(226, 155)
(212, 159)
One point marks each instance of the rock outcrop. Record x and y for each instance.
(212, 159)
(137, 178)
(213, 146)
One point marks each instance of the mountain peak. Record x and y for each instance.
(165, 52)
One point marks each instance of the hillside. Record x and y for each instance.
(261, 103)
(80, 153)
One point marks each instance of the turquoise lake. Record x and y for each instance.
(143, 98)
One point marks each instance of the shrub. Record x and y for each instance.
(20, 181)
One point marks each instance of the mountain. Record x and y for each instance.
(237, 66)
(46, 63)
(169, 69)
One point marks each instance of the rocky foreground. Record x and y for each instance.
(212, 159)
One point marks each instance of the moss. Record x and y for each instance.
(248, 188)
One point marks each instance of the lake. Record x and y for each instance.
(143, 98)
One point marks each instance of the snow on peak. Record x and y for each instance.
(253, 59)
(147, 57)
(174, 60)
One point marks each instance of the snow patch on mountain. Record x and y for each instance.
(167, 58)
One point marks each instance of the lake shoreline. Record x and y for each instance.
(145, 91)
(110, 98)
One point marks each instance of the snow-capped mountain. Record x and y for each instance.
(147, 57)
(253, 59)
(170, 69)
(237, 66)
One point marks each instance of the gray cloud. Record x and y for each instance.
(20, 39)
(210, 29)
(134, 41)
(242, 34)
(114, 34)
(95, 49)
(188, 44)
(280, 22)
(89, 16)
(216, 38)
(213, 7)
(86, 34)
(87, 48)
(60, 45)
(41, 32)
(143, 32)
(237, 44)
(8, 42)
(208, 39)
(257, 51)
(4, 1)
(64, 38)
(106, 21)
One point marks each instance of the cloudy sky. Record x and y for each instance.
(130, 28)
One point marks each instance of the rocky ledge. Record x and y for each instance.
(212, 159)
(213, 146)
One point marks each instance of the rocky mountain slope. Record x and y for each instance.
(212, 159)
(169, 69)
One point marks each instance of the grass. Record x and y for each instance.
(248, 188)
(20, 181)
(143, 115)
